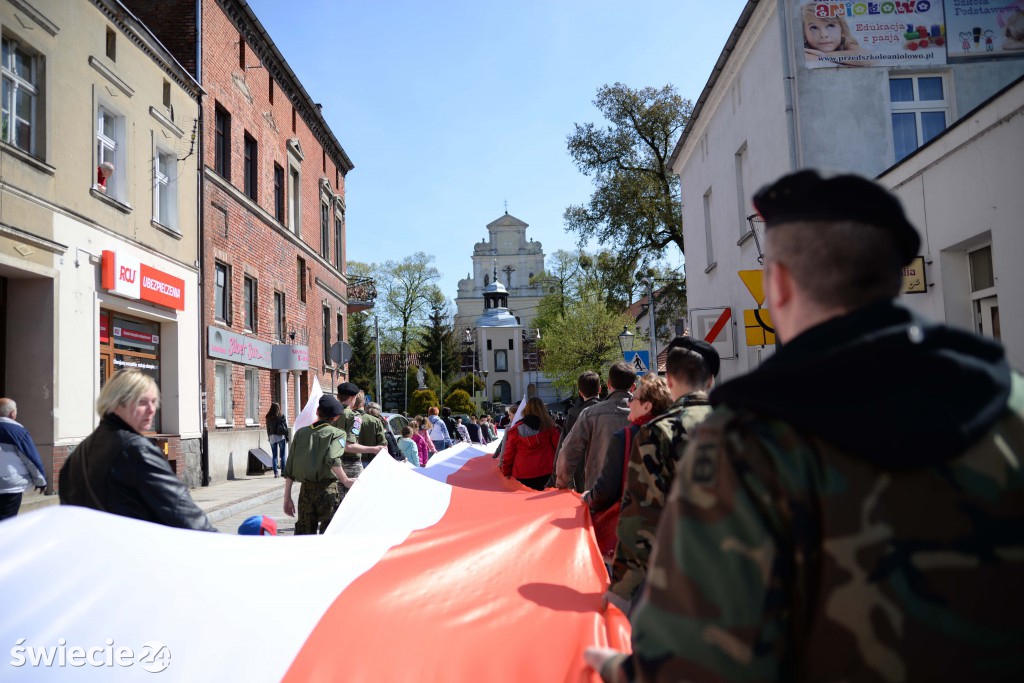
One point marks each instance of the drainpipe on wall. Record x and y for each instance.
(204, 448)
(788, 69)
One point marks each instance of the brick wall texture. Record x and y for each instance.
(242, 233)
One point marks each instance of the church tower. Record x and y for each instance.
(507, 255)
(503, 267)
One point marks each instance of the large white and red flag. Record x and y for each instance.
(450, 573)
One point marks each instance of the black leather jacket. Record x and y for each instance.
(118, 470)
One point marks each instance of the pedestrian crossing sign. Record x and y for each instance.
(640, 360)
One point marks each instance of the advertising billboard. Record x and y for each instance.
(985, 29)
(908, 32)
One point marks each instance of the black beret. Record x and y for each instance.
(348, 389)
(699, 346)
(806, 196)
(330, 406)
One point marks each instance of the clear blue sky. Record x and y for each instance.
(451, 107)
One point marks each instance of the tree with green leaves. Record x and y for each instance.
(635, 204)
(437, 342)
(585, 338)
(463, 384)
(421, 401)
(460, 402)
(362, 369)
(405, 290)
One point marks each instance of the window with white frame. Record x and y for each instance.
(279, 321)
(252, 396)
(984, 293)
(708, 242)
(325, 228)
(294, 201)
(165, 189)
(222, 292)
(501, 361)
(339, 242)
(222, 394)
(110, 149)
(249, 294)
(20, 92)
(920, 111)
(327, 334)
(740, 163)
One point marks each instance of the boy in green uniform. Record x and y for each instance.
(317, 462)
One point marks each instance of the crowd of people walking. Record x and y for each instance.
(851, 509)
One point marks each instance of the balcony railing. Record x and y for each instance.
(362, 292)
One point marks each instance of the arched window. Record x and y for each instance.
(501, 392)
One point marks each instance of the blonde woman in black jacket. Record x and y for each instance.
(120, 471)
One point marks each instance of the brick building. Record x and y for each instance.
(273, 225)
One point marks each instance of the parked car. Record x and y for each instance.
(394, 423)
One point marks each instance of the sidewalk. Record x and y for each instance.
(219, 501)
(224, 499)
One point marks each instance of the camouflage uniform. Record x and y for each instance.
(314, 451)
(652, 465)
(351, 422)
(370, 433)
(780, 557)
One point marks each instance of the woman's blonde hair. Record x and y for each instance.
(654, 390)
(125, 388)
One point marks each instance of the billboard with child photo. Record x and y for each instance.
(857, 34)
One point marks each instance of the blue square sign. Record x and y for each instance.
(640, 360)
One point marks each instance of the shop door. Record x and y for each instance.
(106, 366)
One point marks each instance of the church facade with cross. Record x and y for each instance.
(508, 255)
(504, 280)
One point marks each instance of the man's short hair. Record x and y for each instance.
(7, 407)
(687, 366)
(589, 383)
(446, 412)
(841, 264)
(621, 376)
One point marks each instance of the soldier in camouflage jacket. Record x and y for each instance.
(652, 463)
(853, 509)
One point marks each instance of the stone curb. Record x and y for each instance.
(225, 510)
(216, 513)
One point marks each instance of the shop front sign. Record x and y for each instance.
(291, 357)
(238, 348)
(126, 276)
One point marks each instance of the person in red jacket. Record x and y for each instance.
(529, 453)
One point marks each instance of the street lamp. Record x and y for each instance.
(626, 340)
(536, 362)
(651, 321)
(467, 340)
(484, 373)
